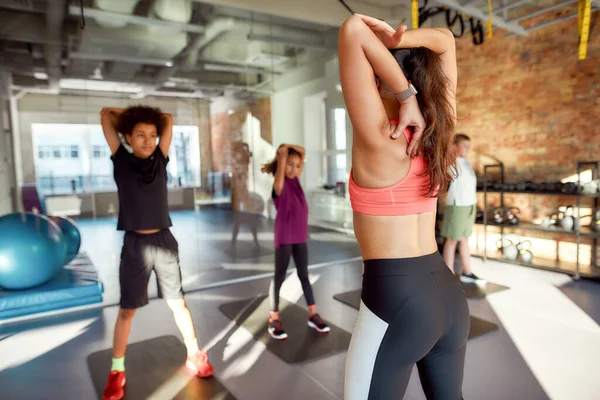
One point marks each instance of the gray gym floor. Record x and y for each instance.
(47, 358)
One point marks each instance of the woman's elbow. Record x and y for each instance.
(348, 28)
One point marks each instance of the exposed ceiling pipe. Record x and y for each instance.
(134, 19)
(179, 11)
(189, 58)
(213, 31)
(124, 7)
(55, 16)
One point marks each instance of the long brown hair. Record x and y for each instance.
(271, 166)
(423, 68)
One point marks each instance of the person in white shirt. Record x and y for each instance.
(461, 209)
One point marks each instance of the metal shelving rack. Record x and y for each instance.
(578, 231)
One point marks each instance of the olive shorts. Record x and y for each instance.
(458, 221)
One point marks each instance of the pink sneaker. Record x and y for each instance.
(200, 365)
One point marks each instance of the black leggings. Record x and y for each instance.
(413, 311)
(282, 259)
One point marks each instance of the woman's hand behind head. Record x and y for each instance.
(410, 115)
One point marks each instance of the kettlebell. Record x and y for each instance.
(525, 253)
(479, 215)
(570, 188)
(596, 221)
(553, 187)
(498, 215)
(590, 187)
(567, 222)
(512, 215)
(501, 243)
(510, 251)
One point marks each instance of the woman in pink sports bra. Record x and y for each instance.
(413, 310)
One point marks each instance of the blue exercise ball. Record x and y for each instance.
(71, 236)
(32, 250)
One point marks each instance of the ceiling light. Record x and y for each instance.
(230, 111)
(169, 63)
(338, 87)
(238, 69)
(183, 81)
(40, 75)
(225, 68)
(100, 86)
(97, 74)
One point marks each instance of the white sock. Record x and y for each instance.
(192, 346)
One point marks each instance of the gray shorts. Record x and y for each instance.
(142, 254)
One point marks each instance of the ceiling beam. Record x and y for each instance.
(477, 13)
(75, 11)
(324, 12)
(511, 5)
(542, 11)
(549, 23)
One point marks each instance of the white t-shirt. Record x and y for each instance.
(463, 190)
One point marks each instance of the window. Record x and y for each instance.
(340, 128)
(334, 150)
(58, 152)
(75, 158)
(184, 157)
(100, 151)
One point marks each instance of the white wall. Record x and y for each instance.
(6, 166)
(287, 114)
(261, 151)
(315, 130)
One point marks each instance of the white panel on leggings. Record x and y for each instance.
(364, 345)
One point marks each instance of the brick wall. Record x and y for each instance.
(529, 103)
(228, 152)
(227, 128)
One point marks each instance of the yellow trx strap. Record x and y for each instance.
(584, 12)
(490, 27)
(415, 14)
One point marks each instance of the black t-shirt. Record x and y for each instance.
(142, 187)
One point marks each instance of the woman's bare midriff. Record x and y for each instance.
(401, 236)
(148, 231)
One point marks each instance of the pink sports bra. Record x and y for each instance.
(403, 198)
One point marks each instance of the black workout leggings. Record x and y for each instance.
(413, 311)
(282, 259)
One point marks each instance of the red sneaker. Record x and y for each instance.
(200, 365)
(114, 386)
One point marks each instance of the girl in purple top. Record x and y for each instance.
(291, 233)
